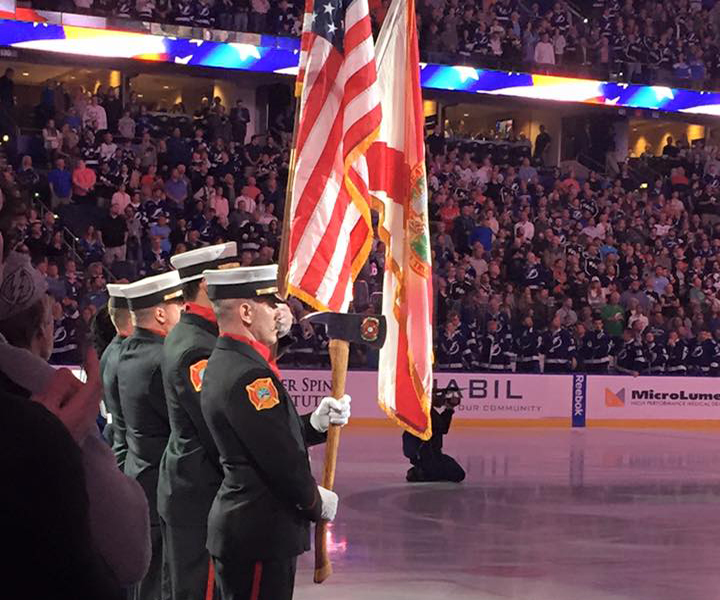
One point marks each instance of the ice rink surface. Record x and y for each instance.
(550, 514)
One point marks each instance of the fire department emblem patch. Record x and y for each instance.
(196, 374)
(370, 329)
(263, 394)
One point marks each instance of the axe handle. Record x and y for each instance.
(339, 351)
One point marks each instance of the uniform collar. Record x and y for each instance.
(205, 312)
(147, 332)
(261, 349)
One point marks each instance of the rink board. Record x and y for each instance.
(519, 400)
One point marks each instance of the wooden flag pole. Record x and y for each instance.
(339, 351)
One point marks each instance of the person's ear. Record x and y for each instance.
(245, 311)
(160, 315)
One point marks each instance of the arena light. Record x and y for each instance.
(280, 56)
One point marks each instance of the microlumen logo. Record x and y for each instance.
(651, 396)
(615, 399)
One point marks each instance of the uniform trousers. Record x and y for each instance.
(188, 561)
(261, 580)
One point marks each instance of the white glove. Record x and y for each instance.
(283, 320)
(329, 503)
(331, 412)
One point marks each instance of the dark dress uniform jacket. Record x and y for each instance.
(190, 472)
(111, 397)
(268, 495)
(143, 404)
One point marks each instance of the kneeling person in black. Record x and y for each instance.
(260, 519)
(427, 458)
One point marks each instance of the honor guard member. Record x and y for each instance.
(559, 349)
(494, 349)
(678, 352)
(190, 471)
(657, 355)
(631, 359)
(528, 347)
(596, 348)
(120, 317)
(155, 305)
(260, 519)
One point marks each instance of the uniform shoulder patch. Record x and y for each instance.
(263, 394)
(197, 371)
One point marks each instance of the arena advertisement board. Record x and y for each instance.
(272, 54)
(652, 398)
(484, 396)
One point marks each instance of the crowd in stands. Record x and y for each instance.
(642, 42)
(638, 41)
(536, 266)
(521, 251)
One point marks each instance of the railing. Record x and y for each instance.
(70, 240)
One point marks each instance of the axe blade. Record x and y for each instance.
(369, 330)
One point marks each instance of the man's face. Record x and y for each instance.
(264, 315)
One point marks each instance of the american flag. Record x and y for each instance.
(329, 233)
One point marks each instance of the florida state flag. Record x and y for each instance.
(396, 166)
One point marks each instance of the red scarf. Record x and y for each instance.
(201, 311)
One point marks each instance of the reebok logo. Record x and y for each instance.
(579, 400)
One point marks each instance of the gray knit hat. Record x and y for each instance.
(22, 285)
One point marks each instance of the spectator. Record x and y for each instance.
(239, 116)
(542, 143)
(102, 542)
(126, 126)
(613, 316)
(95, 115)
(545, 52)
(84, 180)
(525, 230)
(121, 198)
(219, 203)
(7, 89)
(157, 260)
(91, 246)
(52, 139)
(162, 230)
(114, 235)
(108, 148)
(258, 15)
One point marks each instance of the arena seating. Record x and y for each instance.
(673, 43)
(512, 240)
